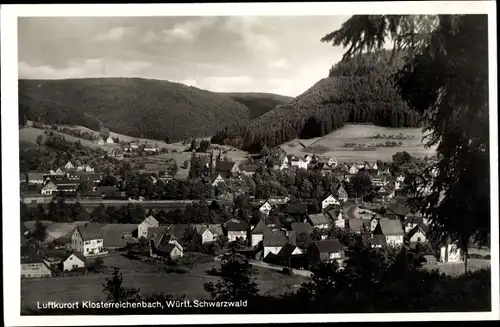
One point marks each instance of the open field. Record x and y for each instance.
(332, 145)
(147, 277)
(455, 269)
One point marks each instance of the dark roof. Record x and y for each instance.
(301, 228)
(390, 227)
(417, 228)
(224, 166)
(117, 235)
(77, 254)
(179, 230)
(378, 240)
(274, 239)
(107, 190)
(34, 175)
(334, 213)
(398, 209)
(30, 255)
(328, 246)
(287, 250)
(296, 208)
(236, 226)
(152, 231)
(356, 225)
(91, 231)
(260, 228)
(318, 219)
(250, 168)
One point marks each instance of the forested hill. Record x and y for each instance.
(137, 107)
(357, 90)
(259, 103)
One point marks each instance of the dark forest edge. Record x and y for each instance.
(357, 90)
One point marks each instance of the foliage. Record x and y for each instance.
(115, 291)
(132, 106)
(97, 265)
(259, 103)
(361, 183)
(236, 281)
(357, 90)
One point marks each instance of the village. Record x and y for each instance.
(284, 232)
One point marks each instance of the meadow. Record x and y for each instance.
(149, 278)
(332, 145)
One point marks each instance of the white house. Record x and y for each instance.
(332, 162)
(417, 235)
(283, 166)
(353, 169)
(258, 232)
(236, 230)
(373, 224)
(265, 208)
(328, 201)
(450, 253)
(87, 239)
(299, 164)
(391, 229)
(206, 235)
(273, 242)
(69, 165)
(142, 229)
(307, 159)
(110, 140)
(59, 172)
(400, 178)
(343, 196)
(218, 180)
(49, 189)
(75, 260)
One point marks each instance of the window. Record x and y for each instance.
(99, 241)
(87, 242)
(75, 266)
(418, 239)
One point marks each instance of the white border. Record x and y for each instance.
(10, 150)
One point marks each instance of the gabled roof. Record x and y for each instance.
(260, 228)
(378, 240)
(398, 209)
(233, 226)
(356, 225)
(225, 166)
(250, 168)
(107, 190)
(318, 219)
(424, 229)
(152, 231)
(287, 250)
(29, 255)
(296, 208)
(390, 227)
(118, 235)
(274, 239)
(328, 246)
(179, 230)
(34, 175)
(301, 228)
(334, 213)
(91, 231)
(77, 254)
(150, 222)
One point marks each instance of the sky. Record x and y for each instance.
(280, 55)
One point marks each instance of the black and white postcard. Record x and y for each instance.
(296, 162)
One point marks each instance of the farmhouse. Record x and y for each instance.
(165, 246)
(59, 172)
(357, 226)
(218, 180)
(329, 201)
(326, 251)
(319, 221)
(134, 145)
(49, 188)
(387, 192)
(287, 254)
(392, 231)
(236, 230)
(332, 162)
(284, 165)
(342, 193)
(337, 217)
(73, 261)
(226, 169)
(297, 210)
(376, 241)
(118, 236)
(32, 265)
(299, 228)
(418, 234)
(149, 222)
(69, 166)
(258, 232)
(450, 253)
(265, 208)
(249, 170)
(273, 242)
(100, 141)
(110, 140)
(301, 164)
(151, 148)
(35, 178)
(352, 169)
(274, 200)
(88, 239)
(208, 233)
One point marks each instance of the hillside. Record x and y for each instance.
(359, 90)
(137, 107)
(259, 103)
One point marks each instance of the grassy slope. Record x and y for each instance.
(132, 106)
(259, 103)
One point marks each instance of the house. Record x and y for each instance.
(357, 226)
(326, 251)
(287, 254)
(208, 232)
(332, 162)
(217, 180)
(32, 265)
(329, 201)
(66, 185)
(400, 178)
(387, 192)
(59, 172)
(342, 194)
(374, 223)
(283, 165)
(49, 188)
(110, 140)
(325, 170)
(298, 228)
(107, 191)
(352, 169)
(69, 166)
(430, 259)
(134, 146)
(265, 208)
(236, 230)
(379, 181)
(297, 210)
(88, 239)
(337, 217)
(142, 229)
(449, 253)
(301, 164)
(75, 260)
(376, 241)
(115, 153)
(274, 200)
(273, 242)
(151, 148)
(165, 246)
(249, 170)
(257, 234)
(319, 221)
(118, 236)
(226, 169)
(392, 231)
(418, 234)
(100, 141)
(35, 178)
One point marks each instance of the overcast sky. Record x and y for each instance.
(281, 55)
